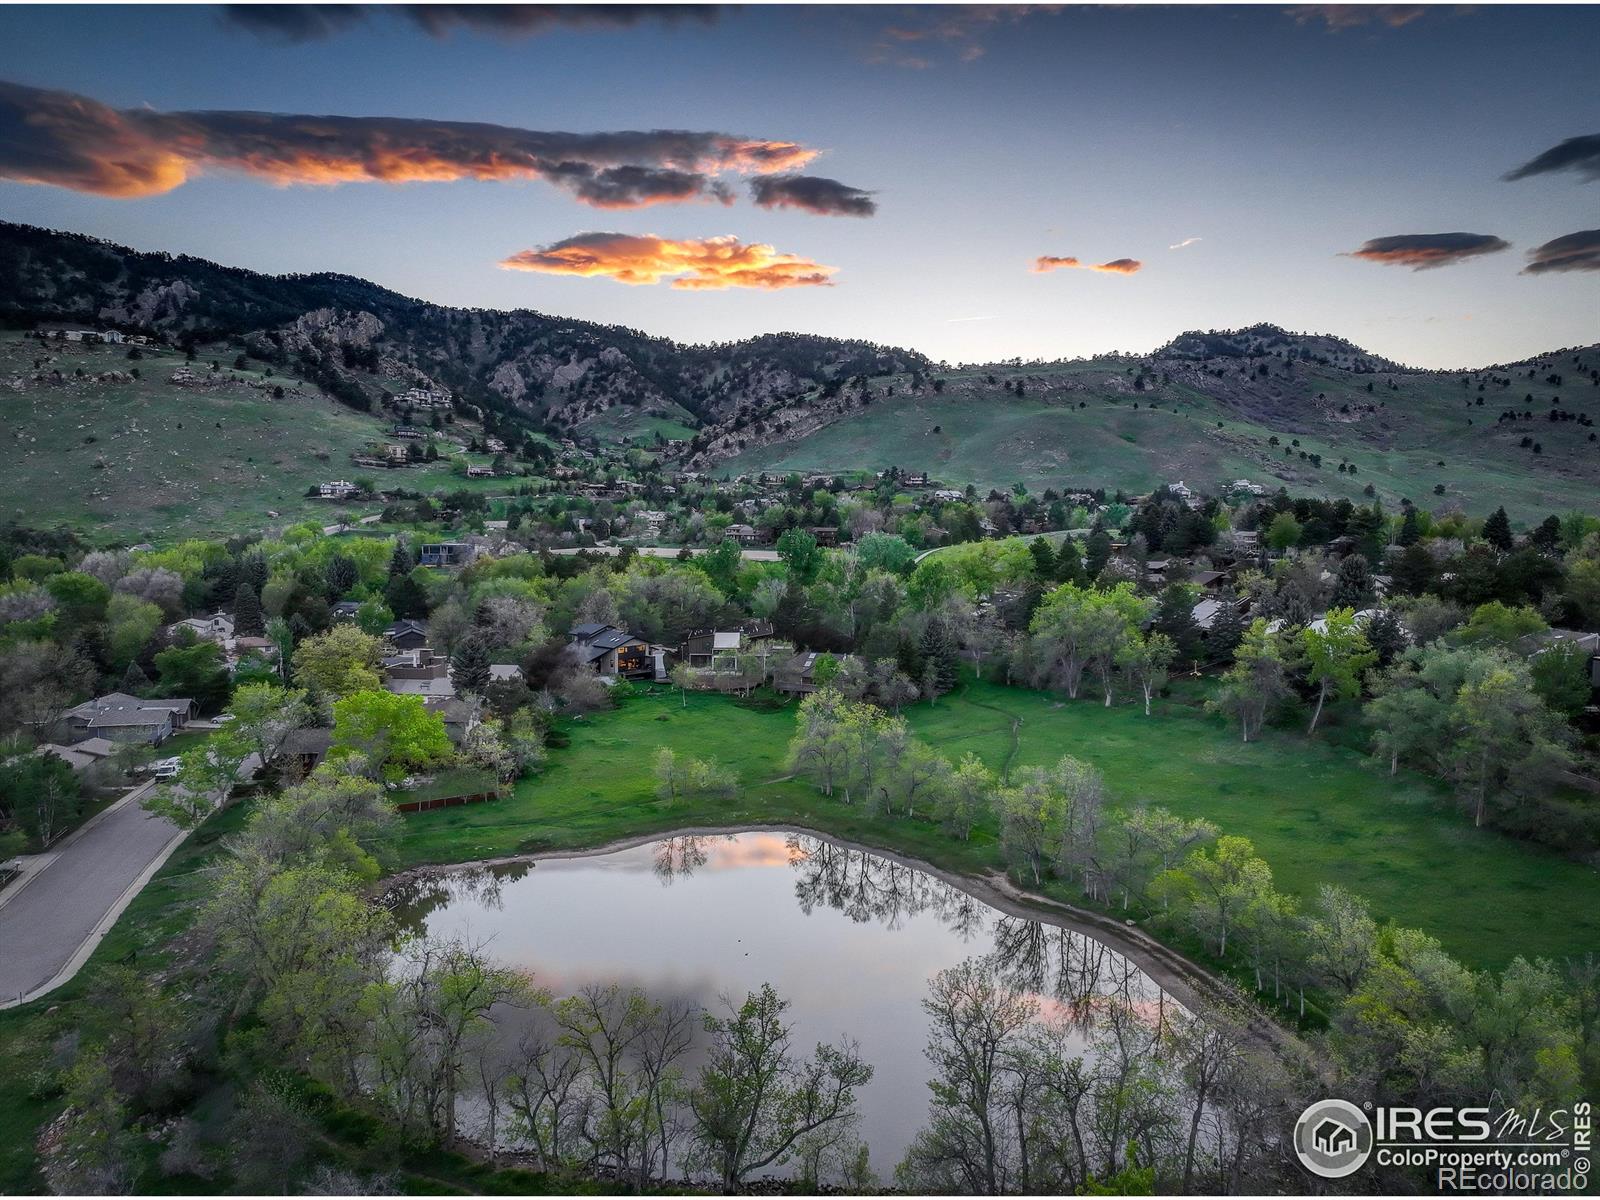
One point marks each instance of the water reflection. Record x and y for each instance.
(851, 938)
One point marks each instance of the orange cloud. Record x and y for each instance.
(694, 265)
(1117, 266)
(66, 140)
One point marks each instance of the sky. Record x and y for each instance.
(975, 183)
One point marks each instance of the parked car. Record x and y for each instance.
(166, 768)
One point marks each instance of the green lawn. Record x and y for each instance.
(1317, 813)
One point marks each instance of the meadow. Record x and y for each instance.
(1317, 812)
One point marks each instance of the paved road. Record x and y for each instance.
(665, 552)
(53, 919)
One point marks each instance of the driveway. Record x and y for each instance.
(53, 918)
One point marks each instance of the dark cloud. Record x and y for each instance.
(1054, 262)
(1423, 251)
(71, 141)
(527, 20)
(294, 22)
(1580, 154)
(813, 194)
(694, 264)
(313, 22)
(1576, 252)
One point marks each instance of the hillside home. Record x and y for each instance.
(448, 555)
(218, 627)
(338, 489)
(797, 676)
(460, 716)
(745, 535)
(613, 653)
(480, 472)
(700, 646)
(826, 535)
(407, 634)
(119, 717)
(345, 610)
(82, 755)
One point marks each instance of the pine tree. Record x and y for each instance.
(1099, 553)
(1069, 563)
(470, 665)
(938, 654)
(1227, 627)
(1175, 618)
(1410, 533)
(247, 619)
(341, 575)
(401, 562)
(134, 680)
(1044, 559)
(405, 597)
(1497, 529)
(1352, 587)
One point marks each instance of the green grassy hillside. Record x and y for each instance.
(1083, 424)
(144, 458)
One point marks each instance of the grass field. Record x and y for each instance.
(1317, 813)
(977, 433)
(147, 460)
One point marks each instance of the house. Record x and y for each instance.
(345, 610)
(407, 634)
(918, 479)
(494, 445)
(408, 432)
(448, 555)
(1208, 581)
(218, 627)
(303, 751)
(613, 653)
(1183, 492)
(504, 672)
(119, 717)
(745, 535)
(82, 755)
(419, 662)
(826, 535)
(460, 716)
(439, 688)
(949, 494)
(480, 472)
(338, 489)
(797, 676)
(700, 646)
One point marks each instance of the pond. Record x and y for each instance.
(851, 938)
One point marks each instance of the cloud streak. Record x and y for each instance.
(705, 264)
(813, 194)
(1186, 242)
(317, 22)
(71, 141)
(1425, 251)
(1580, 154)
(1575, 252)
(1338, 17)
(1046, 263)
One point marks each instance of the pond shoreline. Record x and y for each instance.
(1180, 977)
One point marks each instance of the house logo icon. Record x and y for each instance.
(1333, 1138)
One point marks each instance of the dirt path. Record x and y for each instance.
(1016, 732)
